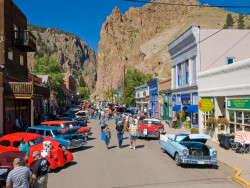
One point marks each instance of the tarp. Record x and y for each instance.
(177, 108)
(242, 137)
(192, 108)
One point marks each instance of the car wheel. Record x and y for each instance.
(163, 150)
(63, 147)
(177, 159)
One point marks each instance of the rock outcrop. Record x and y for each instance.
(75, 56)
(139, 38)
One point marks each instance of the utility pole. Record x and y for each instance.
(124, 87)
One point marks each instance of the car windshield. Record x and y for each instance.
(151, 122)
(71, 124)
(180, 138)
(57, 132)
(81, 114)
(36, 141)
(4, 171)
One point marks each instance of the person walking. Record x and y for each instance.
(102, 123)
(40, 170)
(108, 135)
(133, 130)
(24, 147)
(117, 119)
(20, 176)
(119, 129)
(102, 113)
(99, 113)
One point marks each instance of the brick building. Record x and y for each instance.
(70, 88)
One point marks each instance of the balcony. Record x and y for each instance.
(25, 90)
(25, 41)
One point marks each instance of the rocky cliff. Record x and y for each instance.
(140, 37)
(75, 56)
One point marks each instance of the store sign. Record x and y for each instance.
(238, 103)
(206, 105)
(185, 97)
(173, 98)
(148, 98)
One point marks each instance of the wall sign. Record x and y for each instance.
(173, 98)
(185, 97)
(206, 105)
(238, 103)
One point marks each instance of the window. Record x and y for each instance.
(48, 133)
(230, 60)
(41, 132)
(16, 144)
(187, 71)
(21, 60)
(31, 130)
(193, 64)
(10, 54)
(5, 143)
(179, 74)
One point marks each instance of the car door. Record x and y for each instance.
(170, 147)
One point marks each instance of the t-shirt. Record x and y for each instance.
(41, 167)
(119, 128)
(133, 129)
(102, 113)
(19, 177)
(117, 118)
(24, 147)
(102, 123)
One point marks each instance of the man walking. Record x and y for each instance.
(133, 129)
(20, 176)
(119, 129)
(117, 119)
(24, 147)
(40, 170)
(102, 123)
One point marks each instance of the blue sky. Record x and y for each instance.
(85, 17)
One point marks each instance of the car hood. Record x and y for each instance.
(72, 130)
(7, 158)
(197, 138)
(84, 129)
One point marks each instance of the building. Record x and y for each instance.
(16, 93)
(141, 95)
(153, 102)
(70, 88)
(165, 99)
(229, 88)
(197, 50)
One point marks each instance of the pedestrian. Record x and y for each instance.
(119, 129)
(133, 130)
(20, 176)
(40, 170)
(117, 119)
(95, 115)
(108, 135)
(102, 123)
(126, 123)
(99, 113)
(90, 114)
(24, 147)
(102, 113)
(149, 112)
(145, 111)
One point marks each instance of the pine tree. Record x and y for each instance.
(229, 21)
(241, 22)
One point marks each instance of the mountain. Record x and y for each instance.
(139, 38)
(75, 56)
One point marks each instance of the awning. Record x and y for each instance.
(177, 108)
(192, 108)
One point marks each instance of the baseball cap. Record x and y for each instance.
(35, 153)
(17, 161)
(21, 139)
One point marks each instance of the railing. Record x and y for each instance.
(25, 40)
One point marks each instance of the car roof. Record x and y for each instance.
(42, 127)
(57, 122)
(17, 136)
(151, 119)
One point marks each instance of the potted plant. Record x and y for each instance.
(194, 131)
(212, 121)
(222, 122)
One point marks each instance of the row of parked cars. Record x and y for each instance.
(63, 135)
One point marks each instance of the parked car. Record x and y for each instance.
(68, 139)
(6, 164)
(58, 156)
(189, 149)
(85, 131)
(81, 116)
(151, 128)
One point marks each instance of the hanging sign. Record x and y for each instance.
(206, 105)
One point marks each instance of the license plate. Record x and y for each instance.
(200, 162)
(145, 131)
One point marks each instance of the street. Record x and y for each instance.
(147, 166)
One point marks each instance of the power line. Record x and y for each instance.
(190, 5)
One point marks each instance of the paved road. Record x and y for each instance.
(146, 166)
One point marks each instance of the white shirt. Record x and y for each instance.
(136, 121)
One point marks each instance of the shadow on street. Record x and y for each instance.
(81, 149)
(72, 163)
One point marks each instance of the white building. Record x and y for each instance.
(142, 93)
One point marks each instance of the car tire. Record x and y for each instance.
(63, 147)
(177, 159)
(163, 150)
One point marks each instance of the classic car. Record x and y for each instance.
(85, 131)
(81, 116)
(58, 156)
(68, 139)
(189, 149)
(6, 164)
(151, 128)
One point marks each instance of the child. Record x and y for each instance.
(108, 135)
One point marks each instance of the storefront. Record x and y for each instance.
(153, 104)
(141, 100)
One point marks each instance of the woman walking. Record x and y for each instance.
(119, 129)
(133, 130)
(108, 135)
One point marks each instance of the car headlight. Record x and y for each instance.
(185, 152)
(55, 157)
(156, 129)
(214, 153)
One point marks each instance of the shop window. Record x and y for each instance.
(247, 118)
(10, 54)
(5, 143)
(238, 117)
(195, 118)
(187, 71)
(193, 64)
(179, 74)
(207, 115)
(231, 116)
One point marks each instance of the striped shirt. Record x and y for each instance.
(19, 177)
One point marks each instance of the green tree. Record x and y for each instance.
(82, 83)
(108, 94)
(241, 22)
(229, 21)
(133, 78)
(84, 92)
(50, 66)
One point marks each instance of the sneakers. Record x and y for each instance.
(134, 148)
(131, 147)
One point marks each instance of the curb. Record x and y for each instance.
(240, 180)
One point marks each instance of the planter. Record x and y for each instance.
(194, 132)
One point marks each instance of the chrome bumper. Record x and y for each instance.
(149, 134)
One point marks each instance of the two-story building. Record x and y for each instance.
(70, 88)
(141, 93)
(153, 103)
(16, 93)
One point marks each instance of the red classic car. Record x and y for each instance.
(85, 131)
(58, 157)
(151, 128)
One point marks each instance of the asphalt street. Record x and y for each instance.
(147, 166)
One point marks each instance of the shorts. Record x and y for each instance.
(133, 137)
(107, 141)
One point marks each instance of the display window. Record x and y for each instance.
(239, 120)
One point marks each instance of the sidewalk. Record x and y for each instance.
(228, 157)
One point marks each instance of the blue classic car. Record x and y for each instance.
(68, 139)
(189, 149)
